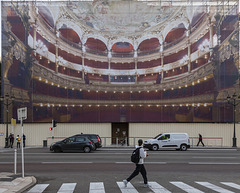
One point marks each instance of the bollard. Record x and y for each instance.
(15, 161)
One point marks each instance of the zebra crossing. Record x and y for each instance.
(98, 187)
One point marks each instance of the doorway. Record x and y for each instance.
(120, 133)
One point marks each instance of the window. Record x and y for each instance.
(80, 139)
(70, 139)
(167, 136)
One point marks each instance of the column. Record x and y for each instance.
(34, 35)
(189, 56)
(83, 66)
(56, 57)
(136, 74)
(109, 67)
(210, 36)
(162, 63)
(189, 50)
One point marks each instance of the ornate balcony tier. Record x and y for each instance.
(189, 101)
(77, 83)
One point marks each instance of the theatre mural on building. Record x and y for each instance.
(120, 61)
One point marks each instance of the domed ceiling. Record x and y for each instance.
(121, 17)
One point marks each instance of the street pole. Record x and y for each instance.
(234, 123)
(6, 139)
(232, 100)
(2, 98)
(22, 149)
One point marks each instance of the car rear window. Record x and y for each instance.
(93, 137)
(80, 139)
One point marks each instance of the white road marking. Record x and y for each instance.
(233, 185)
(128, 189)
(214, 187)
(96, 187)
(39, 188)
(66, 162)
(186, 187)
(157, 188)
(67, 188)
(144, 163)
(214, 157)
(214, 163)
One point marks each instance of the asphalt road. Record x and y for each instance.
(113, 165)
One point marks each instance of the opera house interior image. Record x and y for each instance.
(120, 62)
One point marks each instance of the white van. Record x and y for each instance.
(178, 141)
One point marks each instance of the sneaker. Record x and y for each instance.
(146, 186)
(125, 183)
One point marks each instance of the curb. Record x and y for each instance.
(18, 185)
(34, 181)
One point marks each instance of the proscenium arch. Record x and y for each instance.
(149, 36)
(174, 24)
(70, 25)
(86, 36)
(123, 39)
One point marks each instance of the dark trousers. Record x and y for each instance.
(18, 144)
(11, 143)
(200, 140)
(139, 168)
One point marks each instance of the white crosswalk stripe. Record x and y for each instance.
(128, 189)
(214, 187)
(186, 187)
(157, 188)
(67, 188)
(39, 188)
(233, 185)
(96, 187)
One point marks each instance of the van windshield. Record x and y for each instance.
(157, 136)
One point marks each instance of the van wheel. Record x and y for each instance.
(155, 147)
(183, 148)
(86, 149)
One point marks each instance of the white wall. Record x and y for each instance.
(37, 132)
(208, 130)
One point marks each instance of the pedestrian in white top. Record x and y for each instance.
(139, 166)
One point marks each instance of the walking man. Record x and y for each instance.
(200, 140)
(139, 166)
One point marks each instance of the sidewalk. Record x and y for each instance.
(10, 183)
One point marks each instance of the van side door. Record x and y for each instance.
(164, 141)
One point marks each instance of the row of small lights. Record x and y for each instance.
(173, 105)
(138, 75)
(193, 83)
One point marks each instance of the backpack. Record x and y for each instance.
(135, 157)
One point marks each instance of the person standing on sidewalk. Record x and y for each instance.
(139, 166)
(24, 140)
(18, 139)
(200, 140)
(11, 137)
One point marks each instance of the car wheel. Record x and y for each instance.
(155, 147)
(57, 150)
(183, 148)
(86, 149)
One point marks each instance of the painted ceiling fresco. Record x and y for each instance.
(119, 16)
